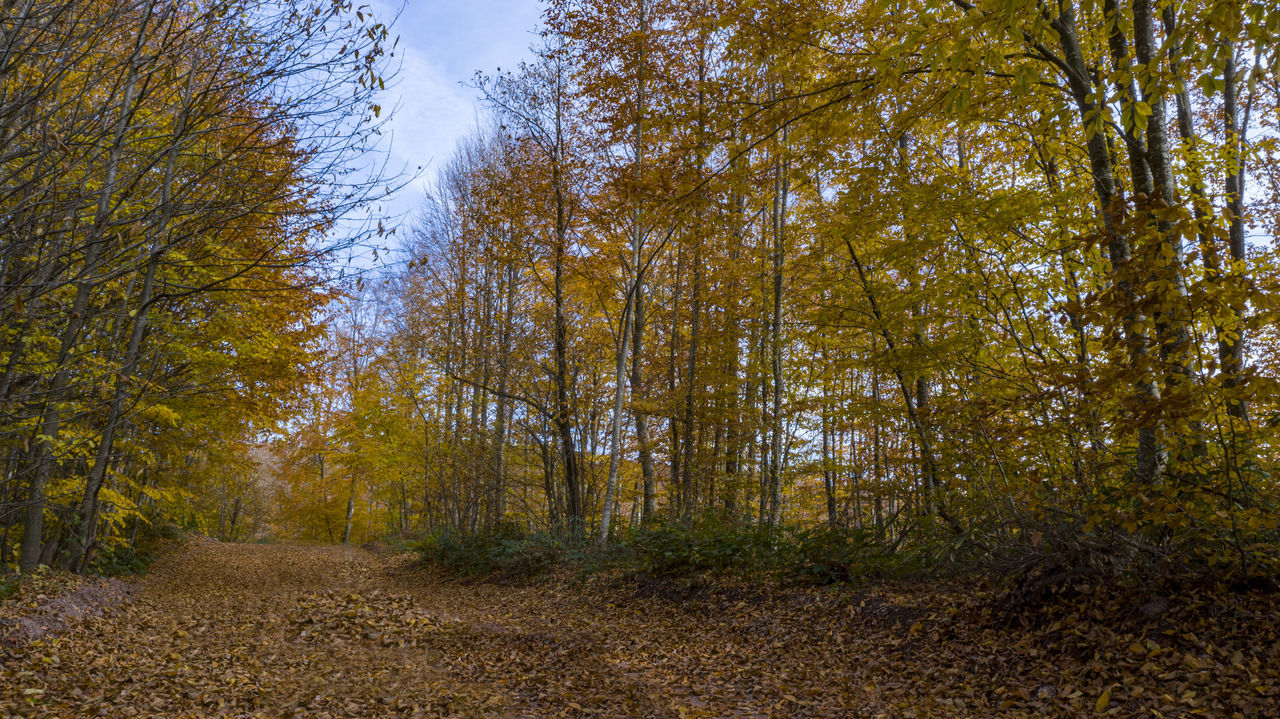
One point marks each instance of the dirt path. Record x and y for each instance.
(291, 631)
(279, 630)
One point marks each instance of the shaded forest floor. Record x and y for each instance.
(291, 631)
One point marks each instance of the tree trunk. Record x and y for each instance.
(1149, 458)
(81, 547)
(1231, 346)
(498, 502)
(351, 508)
(828, 478)
(615, 434)
(563, 417)
(781, 187)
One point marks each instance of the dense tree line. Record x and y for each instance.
(172, 183)
(999, 270)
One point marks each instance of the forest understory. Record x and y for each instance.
(241, 630)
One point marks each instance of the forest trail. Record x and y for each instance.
(219, 629)
(238, 630)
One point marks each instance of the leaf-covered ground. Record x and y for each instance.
(293, 631)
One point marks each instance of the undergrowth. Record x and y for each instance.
(507, 554)
(135, 558)
(9, 586)
(1035, 563)
(821, 554)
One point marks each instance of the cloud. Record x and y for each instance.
(442, 45)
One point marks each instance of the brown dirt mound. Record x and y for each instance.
(29, 621)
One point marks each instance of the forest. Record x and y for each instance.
(994, 279)
(174, 178)
(993, 282)
(747, 358)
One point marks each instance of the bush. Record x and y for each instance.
(820, 554)
(525, 556)
(9, 584)
(828, 555)
(115, 561)
(708, 545)
(135, 559)
(507, 554)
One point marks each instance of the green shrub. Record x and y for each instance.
(507, 554)
(525, 556)
(827, 555)
(708, 545)
(135, 559)
(820, 554)
(115, 561)
(9, 585)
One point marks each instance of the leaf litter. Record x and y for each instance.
(227, 630)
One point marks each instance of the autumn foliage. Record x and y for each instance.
(992, 277)
(725, 300)
(992, 280)
(174, 181)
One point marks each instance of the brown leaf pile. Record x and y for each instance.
(292, 631)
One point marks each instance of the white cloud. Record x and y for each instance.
(442, 44)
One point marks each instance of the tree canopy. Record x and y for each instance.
(1001, 272)
(1001, 275)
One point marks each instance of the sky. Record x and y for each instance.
(442, 44)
